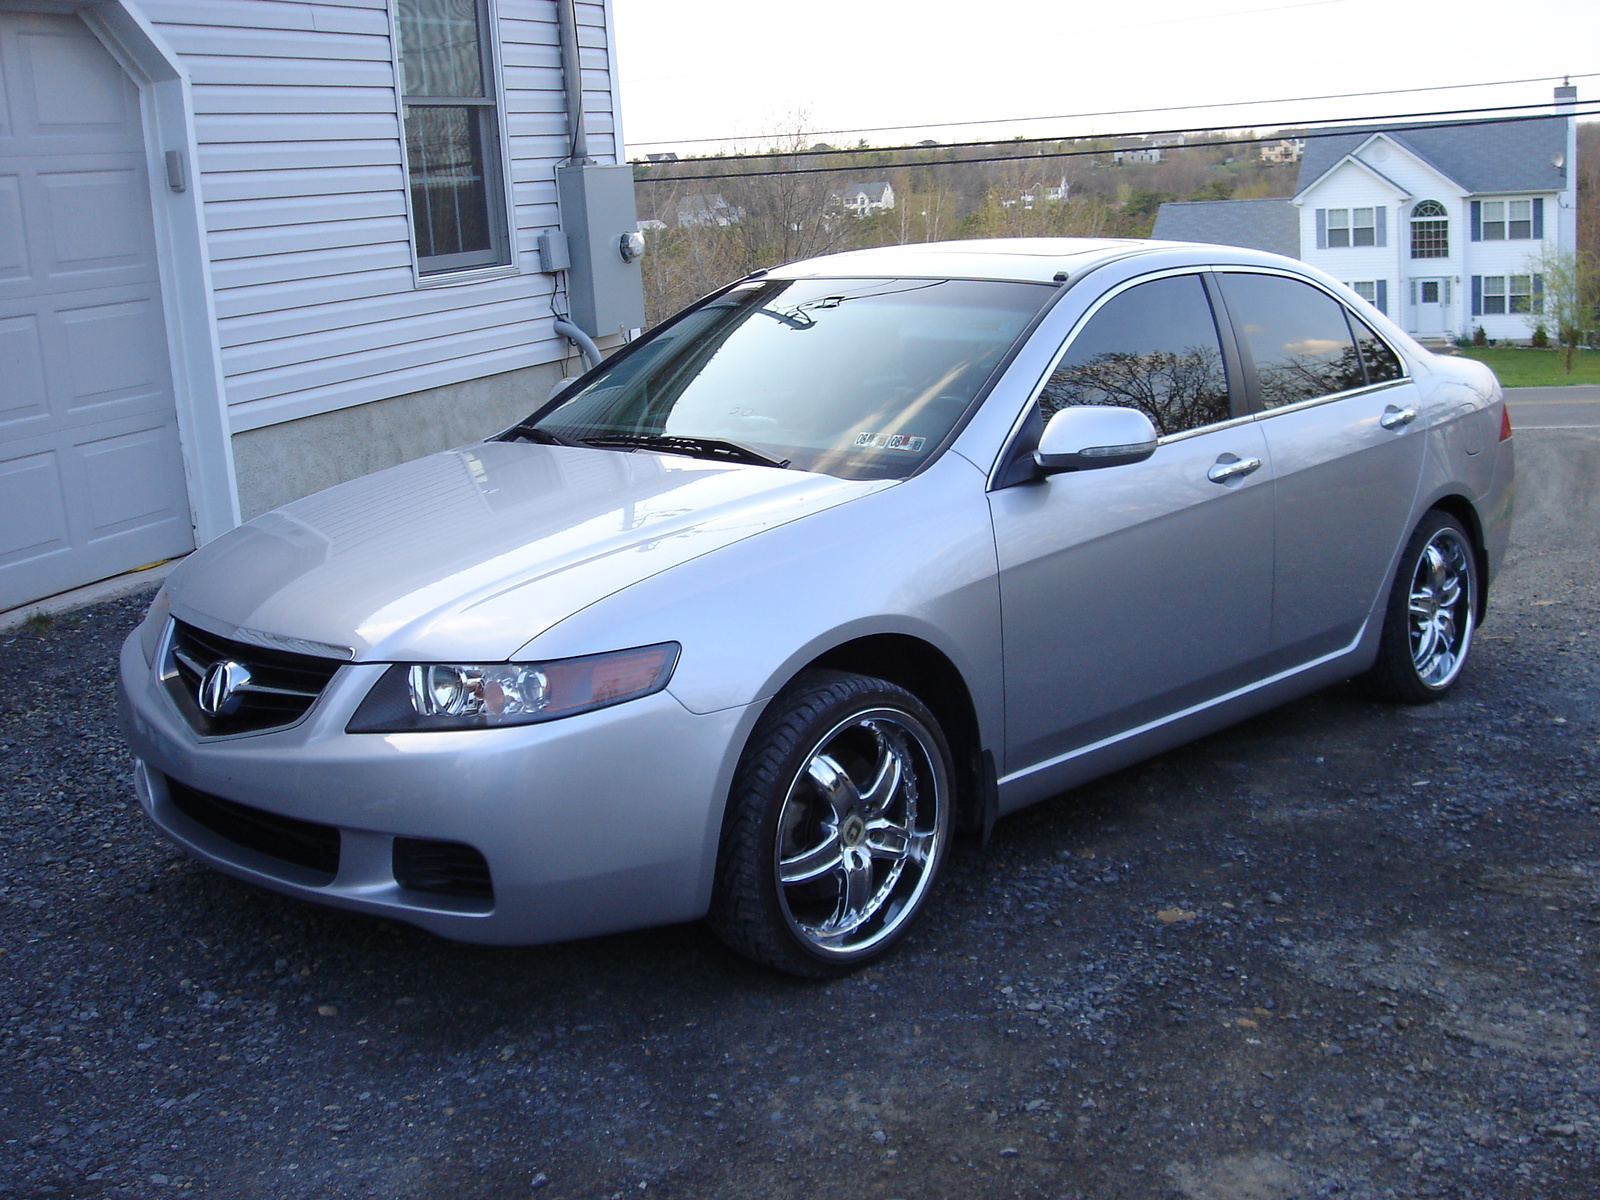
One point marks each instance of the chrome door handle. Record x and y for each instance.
(1229, 467)
(1397, 418)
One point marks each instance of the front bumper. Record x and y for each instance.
(592, 824)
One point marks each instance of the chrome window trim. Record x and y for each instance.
(1315, 401)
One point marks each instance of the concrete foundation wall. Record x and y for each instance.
(280, 463)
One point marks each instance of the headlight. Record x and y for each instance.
(418, 696)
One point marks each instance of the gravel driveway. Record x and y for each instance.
(1340, 950)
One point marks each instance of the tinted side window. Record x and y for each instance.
(1381, 362)
(1154, 347)
(1297, 336)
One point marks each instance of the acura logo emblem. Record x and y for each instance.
(219, 690)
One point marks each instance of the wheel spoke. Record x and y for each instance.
(818, 860)
(887, 840)
(887, 773)
(856, 896)
(835, 785)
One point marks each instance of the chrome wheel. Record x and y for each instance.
(1429, 618)
(859, 831)
(837, 824)
(1440, 606)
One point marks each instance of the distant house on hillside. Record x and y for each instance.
(1271, 225)
(862, 199)
(1146, 148)
(707, 209)
(1284, 150)
(1134, 150)
(1443, 228)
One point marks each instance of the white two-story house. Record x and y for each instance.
(1444, 228)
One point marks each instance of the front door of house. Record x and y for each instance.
(1430, 298)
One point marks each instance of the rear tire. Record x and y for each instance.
(837, 825)
(1430, 617)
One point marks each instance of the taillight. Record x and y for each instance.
(1505, 421)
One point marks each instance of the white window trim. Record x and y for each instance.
(470, 274)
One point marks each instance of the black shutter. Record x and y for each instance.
(1477, 221)
(1382, 294)
(1538, 216)
(1477, 295)
(1322, 229)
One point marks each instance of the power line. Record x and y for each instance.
(1120, 112)
(944, 162)
(1544, 114)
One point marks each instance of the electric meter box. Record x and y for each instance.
(605, 287)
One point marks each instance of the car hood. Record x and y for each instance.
(469, 554)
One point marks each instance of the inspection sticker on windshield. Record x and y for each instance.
(890, 441)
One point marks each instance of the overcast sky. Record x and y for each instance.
(693, 69)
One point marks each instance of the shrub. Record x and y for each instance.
(1541, 337)
(1479, 337)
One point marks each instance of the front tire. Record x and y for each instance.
(837, 825)
(1431, 615)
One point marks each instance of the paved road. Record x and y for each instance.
(1576, 407)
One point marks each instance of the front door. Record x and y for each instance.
(1130, 593)
(1430, 298)
(91, 475)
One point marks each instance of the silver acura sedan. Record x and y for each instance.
(850, 556)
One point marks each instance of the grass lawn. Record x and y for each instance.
(1536, 368)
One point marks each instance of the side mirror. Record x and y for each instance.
(1083, 437)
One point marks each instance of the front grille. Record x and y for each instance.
(304, 843)
(441, 868)
(282, 686)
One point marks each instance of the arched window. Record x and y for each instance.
(1430, 230)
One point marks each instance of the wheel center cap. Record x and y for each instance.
(853, 832)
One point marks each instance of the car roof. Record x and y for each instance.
(1026, 260)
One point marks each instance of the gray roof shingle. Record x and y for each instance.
(1503, 156)
(1272, 225)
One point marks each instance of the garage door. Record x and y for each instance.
(91, 478)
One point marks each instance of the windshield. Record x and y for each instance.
(860, 378)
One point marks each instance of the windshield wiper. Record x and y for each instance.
(694, 447)
(537, 433)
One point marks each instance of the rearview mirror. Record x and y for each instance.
(1086, 436)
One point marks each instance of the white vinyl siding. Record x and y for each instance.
(300, 165)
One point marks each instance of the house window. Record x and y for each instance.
(1367, 290)
(1352, 227)
(1507, 219)
(452, 127)
(1430, 230)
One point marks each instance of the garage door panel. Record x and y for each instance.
(115, 352)
(72, 92)
(23, 395)
(133, 481)
(13, 235)
(31, 496)
(99, 220)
